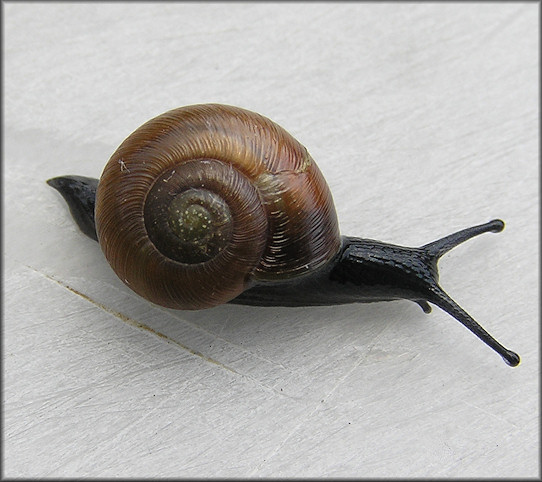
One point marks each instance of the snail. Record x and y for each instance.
(209, 204)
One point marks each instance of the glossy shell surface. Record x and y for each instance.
(279, 220)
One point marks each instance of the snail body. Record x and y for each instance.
(209, 204)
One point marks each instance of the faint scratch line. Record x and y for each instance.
(503, 24)
(111, 442)
(216, 336)
(317, 407)
(490, 414)
(134, 323)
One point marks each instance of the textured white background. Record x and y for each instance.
(424, 120)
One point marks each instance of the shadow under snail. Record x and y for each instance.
(209, 204)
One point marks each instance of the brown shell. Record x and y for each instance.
(287, 227)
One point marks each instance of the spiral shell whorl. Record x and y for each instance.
(285, 226)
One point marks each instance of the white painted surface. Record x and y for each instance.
(423, 118)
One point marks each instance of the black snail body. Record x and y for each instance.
(209, 204)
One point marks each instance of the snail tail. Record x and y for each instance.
(80, 194)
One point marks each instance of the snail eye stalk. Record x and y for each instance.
(440, 298)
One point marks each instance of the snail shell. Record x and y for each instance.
(204, 201)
